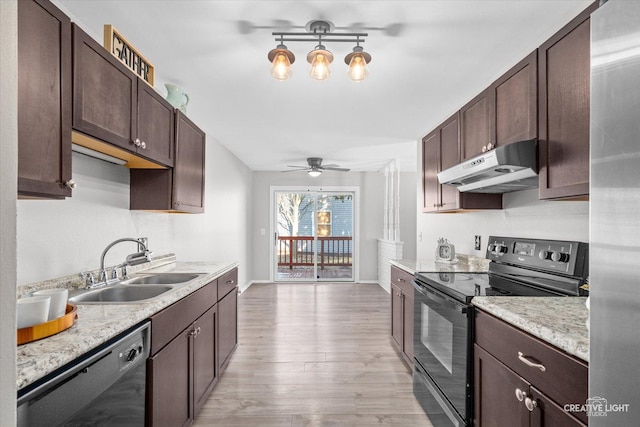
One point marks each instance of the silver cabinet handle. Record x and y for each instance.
(484, 148)
(71, 184)
(231, 282)
(401, 280)
(520, 395)
(143, 145)
(490, 146)
(136, 142)
(528, 362)
(530, 404)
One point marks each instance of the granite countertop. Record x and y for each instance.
(464, 264)
(559, 321)
(97, 323)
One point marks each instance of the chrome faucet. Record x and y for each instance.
(144, 255)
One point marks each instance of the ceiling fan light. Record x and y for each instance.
(281, 59)
(357, 61)
(315, 173)
(319, 58)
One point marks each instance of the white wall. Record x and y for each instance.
(8, 188)
(523, 215)
(58, 238)
(371, 217)
(408, 213)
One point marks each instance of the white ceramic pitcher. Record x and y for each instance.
(177, 97)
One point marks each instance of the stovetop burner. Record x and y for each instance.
(519, 267)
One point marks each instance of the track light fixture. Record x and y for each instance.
(281, 58)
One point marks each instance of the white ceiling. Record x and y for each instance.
(429, 58)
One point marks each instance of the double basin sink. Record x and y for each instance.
(142, 288)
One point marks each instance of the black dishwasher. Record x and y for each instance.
(105, 388)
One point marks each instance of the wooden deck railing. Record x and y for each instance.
(299, 251)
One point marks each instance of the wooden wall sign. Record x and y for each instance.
(128, 55)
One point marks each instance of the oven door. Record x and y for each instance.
(442, 338)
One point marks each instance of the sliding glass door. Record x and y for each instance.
(314, 236)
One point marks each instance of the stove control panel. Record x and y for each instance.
(557, 256)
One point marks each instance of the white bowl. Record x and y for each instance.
(58, 305)
(32, 311)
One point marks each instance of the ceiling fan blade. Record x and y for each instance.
(335, 169)
(331, 165)
(296, 170)
(298, 166)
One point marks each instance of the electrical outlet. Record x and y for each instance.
(478, 243)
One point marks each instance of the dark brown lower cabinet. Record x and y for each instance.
(495, 393)
(520, 380)
(402, 312)
(169, 384)
(191, 344)
(227, 327)
(183, 373)
(205, 363)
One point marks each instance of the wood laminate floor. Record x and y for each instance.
(314, 355)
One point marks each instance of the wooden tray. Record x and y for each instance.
(52, 327)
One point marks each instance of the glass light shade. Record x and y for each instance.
(320, 67)
(358, 70)
(315, 173)
(281, 67)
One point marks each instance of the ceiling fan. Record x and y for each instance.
(315, 167)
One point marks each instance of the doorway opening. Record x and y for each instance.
(314, 235)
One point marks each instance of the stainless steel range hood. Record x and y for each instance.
(508, 168)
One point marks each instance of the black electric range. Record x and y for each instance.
(443, 314)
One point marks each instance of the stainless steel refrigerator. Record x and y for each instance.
(614, 369)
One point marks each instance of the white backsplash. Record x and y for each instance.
(524, 215)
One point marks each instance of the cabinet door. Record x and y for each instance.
(227, 327)
(44, 100)
(563, 96)
(169, 381)
(407, 305)
(430, 162)
(188, 173)
(477, 125)
(516, 110)
(156, 126)
(548, 413)
(104, 93)
(396, 316)
(495, 387)
(205, 366)
(449, 156)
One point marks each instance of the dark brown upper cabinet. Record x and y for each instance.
(156, 126)
(563, 104)
(503, 113)
(440, 151)
(180, 189)
(477, 124)
(516, 110)
(104, 93)
(115, 112)
(44, 101)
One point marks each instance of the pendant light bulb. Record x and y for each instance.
(357, 61)
(320, 60)
(281, 59)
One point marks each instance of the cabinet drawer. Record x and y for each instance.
(402, 279)
(565, 379)
(168, 323)
(227, 282)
